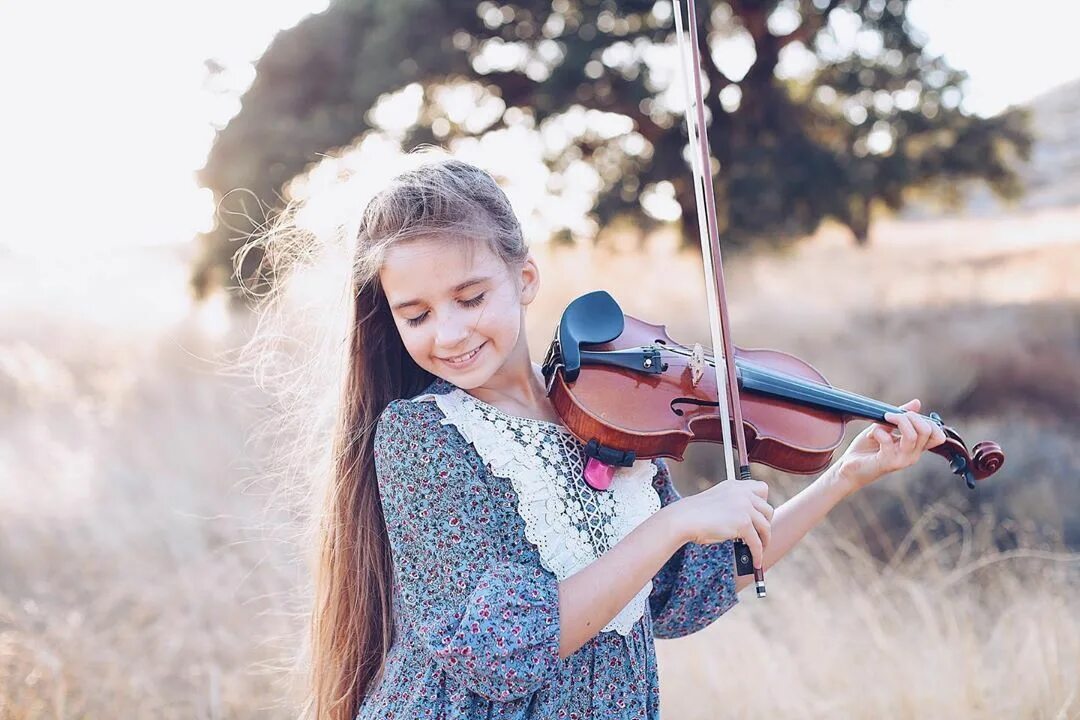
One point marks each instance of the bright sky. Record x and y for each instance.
(1013, 51)
(107, 114)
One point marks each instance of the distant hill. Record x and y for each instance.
(1052, 177)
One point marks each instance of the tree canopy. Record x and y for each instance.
(872, 116)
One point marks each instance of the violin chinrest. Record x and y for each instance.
(590, 319)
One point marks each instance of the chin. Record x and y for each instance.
(466, 381)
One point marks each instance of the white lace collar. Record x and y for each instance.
(570, 523)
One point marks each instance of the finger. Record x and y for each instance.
(890, 417)
(913, 405)
(749, 535)
(924, 429)
(884, 438)
(907, 431)
(887, 451)
(760, 488)
(763, 507)
(763, 527)
(938, 438)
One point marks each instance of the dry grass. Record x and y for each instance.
(142, 573)
(839, 637)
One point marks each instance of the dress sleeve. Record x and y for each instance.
(491, 623)
(695, 586)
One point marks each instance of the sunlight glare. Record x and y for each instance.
(397, 112)
(1016, 54)
(114, 123)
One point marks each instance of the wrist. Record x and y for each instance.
(675, 531)
(839, 481)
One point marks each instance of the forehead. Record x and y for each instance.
(415, 269)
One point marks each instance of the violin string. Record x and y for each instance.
(808, 390)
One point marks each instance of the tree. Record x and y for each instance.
(863, 126)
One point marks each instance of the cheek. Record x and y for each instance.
(502, 323)
(414, 340)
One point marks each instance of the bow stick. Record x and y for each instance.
(726, 378)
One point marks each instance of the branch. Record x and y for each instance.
(809, 28)
(515, 88)
(621, 89)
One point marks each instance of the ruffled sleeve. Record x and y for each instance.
(695, 586)
(489, 623)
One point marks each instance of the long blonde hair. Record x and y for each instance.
(352, 623)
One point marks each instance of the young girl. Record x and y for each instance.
(467, 570)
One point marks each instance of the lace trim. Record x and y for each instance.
(570, 524)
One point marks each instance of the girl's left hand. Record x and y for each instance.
(875, 451)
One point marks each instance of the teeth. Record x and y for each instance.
(463, 358)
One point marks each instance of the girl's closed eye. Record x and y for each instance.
(473, 302)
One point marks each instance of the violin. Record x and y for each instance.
(628, 391)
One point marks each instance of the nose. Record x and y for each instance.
(452, 333)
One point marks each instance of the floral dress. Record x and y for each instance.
(486, 513)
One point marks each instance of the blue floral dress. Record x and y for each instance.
(486, 513)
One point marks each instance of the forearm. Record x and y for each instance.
(792, 520)
(591, 597)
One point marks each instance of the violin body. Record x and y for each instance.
(628, 390)
(621, 408)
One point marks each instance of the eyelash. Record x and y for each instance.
(467, 303)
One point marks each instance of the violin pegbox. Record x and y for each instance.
(986, 457)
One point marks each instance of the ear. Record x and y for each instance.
(530, 280)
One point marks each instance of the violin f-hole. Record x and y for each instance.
(690, 401)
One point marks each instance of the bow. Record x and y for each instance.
(726, 378)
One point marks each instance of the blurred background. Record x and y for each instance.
(899, 190)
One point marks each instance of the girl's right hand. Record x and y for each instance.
(730, 509)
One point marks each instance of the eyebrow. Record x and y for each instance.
(457, 288)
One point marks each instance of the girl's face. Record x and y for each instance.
(460, 314)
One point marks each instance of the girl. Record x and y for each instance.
(467, 570)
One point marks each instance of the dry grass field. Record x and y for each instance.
(151, 565)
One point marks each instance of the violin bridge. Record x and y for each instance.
(697, 364)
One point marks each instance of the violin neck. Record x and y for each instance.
(757, 379)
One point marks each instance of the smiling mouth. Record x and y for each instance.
(465, 356)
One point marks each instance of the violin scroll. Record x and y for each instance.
(985, 459)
